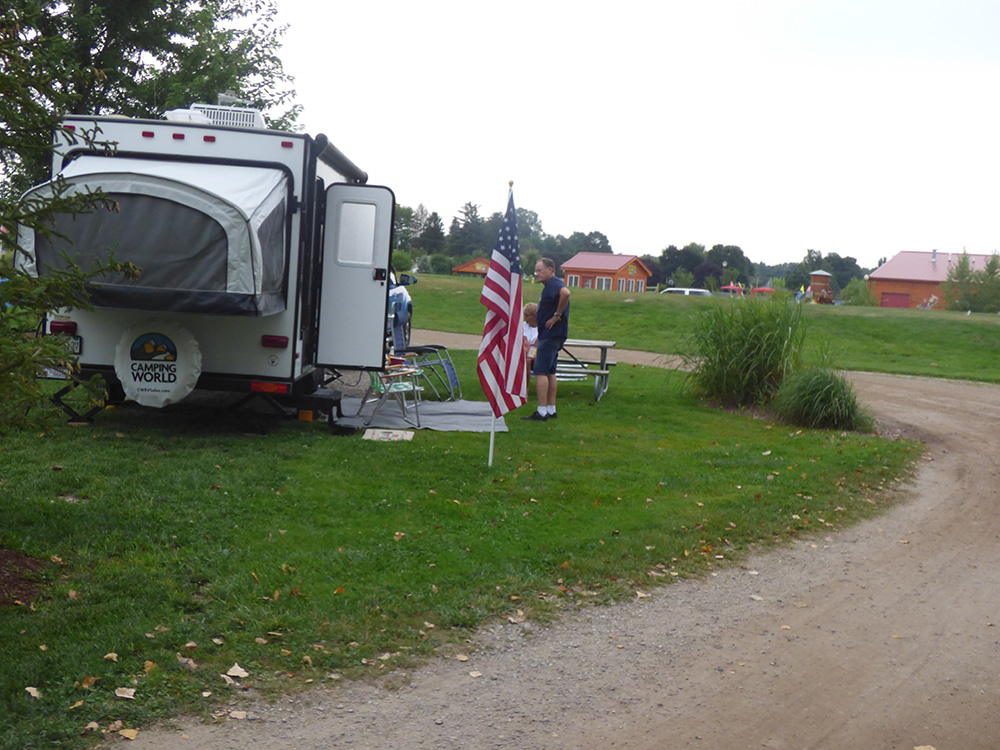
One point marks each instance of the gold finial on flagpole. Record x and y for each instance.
(511, 183)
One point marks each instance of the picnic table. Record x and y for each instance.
(581, 358)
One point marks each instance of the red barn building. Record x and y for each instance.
(913, 279)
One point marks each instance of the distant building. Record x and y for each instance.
(913, 279)
(477, 267)
(621, 273)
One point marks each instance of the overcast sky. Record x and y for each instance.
(860, 127)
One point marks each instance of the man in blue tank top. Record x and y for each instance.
(553, 328)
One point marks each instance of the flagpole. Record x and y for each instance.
(493, 432)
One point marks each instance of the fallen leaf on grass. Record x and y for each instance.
(34, 692)
(641, 594)
(129, 734)
(261, 641)
(125, 693)
(237, 715)
(148, 667)
(91, 727)
(191, 646)
(218, 641)
(89, 680)
(228, 680)
(76, 705)
(237, 671)
(187, 662)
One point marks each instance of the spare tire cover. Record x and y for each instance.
(157, 363)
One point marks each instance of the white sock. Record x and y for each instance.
(541, 411)
(550, 409)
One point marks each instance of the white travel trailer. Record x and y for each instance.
(264, 256)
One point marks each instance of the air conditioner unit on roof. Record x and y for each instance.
(233, 117)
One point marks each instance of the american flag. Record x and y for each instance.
(501, 361)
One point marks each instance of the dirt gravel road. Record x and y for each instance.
(884, 635)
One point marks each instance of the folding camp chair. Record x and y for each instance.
(437, 369)
(399, 382)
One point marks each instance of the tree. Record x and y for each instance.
(708, 275)
(653, 264)
(844, 270)
(688, 258)
(973, 290)
(529, 226)
(682, 278)
(431, 239)
(402, 222)
(737, 266)
(467, 235)
(141, 57)
(29, 71)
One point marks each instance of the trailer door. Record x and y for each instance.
(354, 287)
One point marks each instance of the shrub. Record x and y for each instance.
(402, 261)
(740, 351)
(857, 293)
(820, 397)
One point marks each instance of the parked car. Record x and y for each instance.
(399, 319)
(686, 291)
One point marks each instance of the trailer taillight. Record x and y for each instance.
(262, 387)
(209, 139)
(63, 326)
(178, 136)
(147, 133)
(287, 144)
(274, 342)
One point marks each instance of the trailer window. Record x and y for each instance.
(356, 236)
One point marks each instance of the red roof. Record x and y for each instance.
(911, 265)
(602, 262)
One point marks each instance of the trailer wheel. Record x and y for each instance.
(157, 363)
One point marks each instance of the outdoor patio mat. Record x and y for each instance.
(444, 416)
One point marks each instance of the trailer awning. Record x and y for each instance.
(208, 238)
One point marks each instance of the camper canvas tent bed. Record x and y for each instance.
(208, 238)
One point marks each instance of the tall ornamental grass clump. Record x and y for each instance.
(819, 397)
(739, 351)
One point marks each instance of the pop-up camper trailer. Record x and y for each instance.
(264, 256)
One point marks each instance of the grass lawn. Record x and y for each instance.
(907, 342)
(181, 543)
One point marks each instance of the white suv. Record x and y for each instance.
(686, 291)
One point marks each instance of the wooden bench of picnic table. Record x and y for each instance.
(570, 366)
